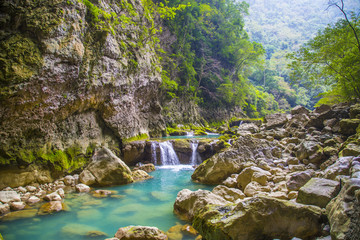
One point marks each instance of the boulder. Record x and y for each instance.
(188, 202)
(140, 175)
(299, 110)
(106, 169)
(340, 167)
(9, 196)
(259, 218)
(298, 179)
(229, 194)
(53, 197)
(343, 212)
(134, 152)
(348, 126)
(350, 149)
(82, 188)
(27, 213)
(318, 192)
(275, 120)
(52, 206)
(355, 111)
(69, 180)
(219, 167)
(140, 233)
(231, 181)
(15, 206)
(306, 149)
(247, 175)
(149, 167)
(33, 200)
(254, 188)
(4, 209)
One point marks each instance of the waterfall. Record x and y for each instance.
(153, 152)
(195, 157)
(167, 154)
(241, 122)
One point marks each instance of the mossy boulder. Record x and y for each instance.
(259, 218)
(140, 233)
(348, 126)
(318, 192)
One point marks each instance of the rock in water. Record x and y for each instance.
(318, 192)
(343, 212)
(219, 167)
(106, 169)
(140, 233)
(258, 218)
(188, 203)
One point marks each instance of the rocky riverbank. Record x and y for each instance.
(39, 199)
(297, 175)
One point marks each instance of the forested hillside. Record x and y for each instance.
(283, 27)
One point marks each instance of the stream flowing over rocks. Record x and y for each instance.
(295, 176)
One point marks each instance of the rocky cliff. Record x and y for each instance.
(75, 74)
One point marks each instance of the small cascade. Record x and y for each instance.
(230, 141)
(167, 154)
(153, 152)
(195, 156)
(241, 122)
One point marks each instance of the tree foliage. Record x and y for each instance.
(212, 56)
(332, 58)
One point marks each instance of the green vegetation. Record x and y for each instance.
(212, 57)
(332, 59)
(68, 160)
(142, 136)
(283, 27)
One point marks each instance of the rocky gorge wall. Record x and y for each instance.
(74, 75)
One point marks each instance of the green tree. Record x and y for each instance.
(332, 59)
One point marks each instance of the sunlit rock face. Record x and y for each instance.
(69, 81)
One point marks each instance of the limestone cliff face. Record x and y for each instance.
(75, 74)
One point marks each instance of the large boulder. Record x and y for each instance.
(134, 152)
(299, 110)
(259, 218)
(348, 126)
(252, 174)
(229, 194)
(318, 192)
(309, 150)
(188, 203)
(9, 196)
(298, 179)
(106, 169)
(219, 167)
(340, 167)
(275, 120)
(343, 212)
(140, 233)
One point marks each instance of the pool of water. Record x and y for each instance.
(148, 203)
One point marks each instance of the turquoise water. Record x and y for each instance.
(191, 137)
(148, 203)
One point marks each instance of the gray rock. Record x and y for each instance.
(9, 196)
(15, 206)
(299, 110)
(340, 167)
(188, 203)
(106, 169)
(275, 120)
(229, 194)
(344, 210)
(53, 197)
(4, 209)
(140, 233)
(318, 192)
(82, 187)
(298, 179)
